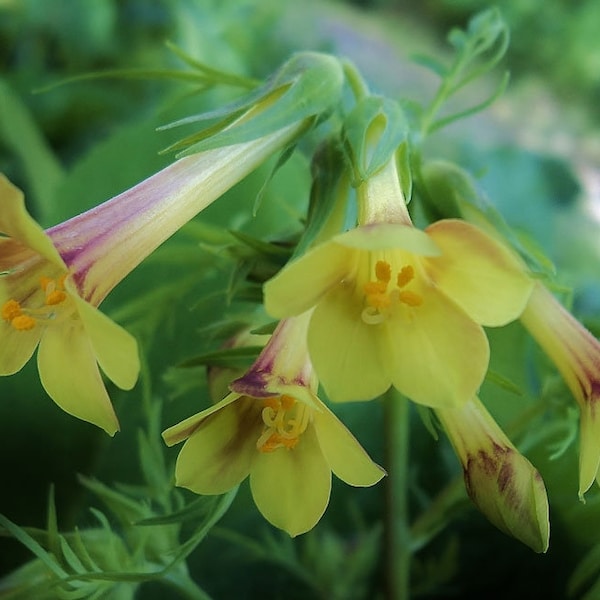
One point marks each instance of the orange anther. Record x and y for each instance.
(410, 298)
(383, 271)
(10, 310)
(23, 323)
(406, 275)
(55, 297)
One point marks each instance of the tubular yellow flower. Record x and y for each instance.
(500, 481)
(52, 281)
(574, 350)
(395, 305)
(273, 428)
(576, 353)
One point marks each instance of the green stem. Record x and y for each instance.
(398, 539)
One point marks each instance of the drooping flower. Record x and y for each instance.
(52, 281)
(500, 481)
(273, 428)
(576, 354)
(395, 305)
(574, 350)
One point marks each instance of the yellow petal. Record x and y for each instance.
(438, 355)
(116, 349)
(219, 452)
(478, 273)
(291, 487)
(16, 223)
(183, 430)
(16, 347)
(345, 456)
(70, 375)
(389, 236)
(346, 352)
(300, 285)
(589, 448)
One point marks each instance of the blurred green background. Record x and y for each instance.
(536, 153)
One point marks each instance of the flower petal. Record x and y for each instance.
(438, 355)
(478, 273)
(346, 352)
(16, 348)
(183, 430)
(576, 354)
(589, 448)
(291, 487)
(300, 284)
(70, 375)
(219, 452)
(389, 236)
(16, 223)
(115, 349)
(345, 456)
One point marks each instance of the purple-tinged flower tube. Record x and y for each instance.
(51, 282)
(500, 481)
(576, 354)
(273, 428)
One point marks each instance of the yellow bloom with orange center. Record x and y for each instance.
(273, 428)
(52, 281)
(394, 305)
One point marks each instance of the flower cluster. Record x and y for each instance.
(382, 304)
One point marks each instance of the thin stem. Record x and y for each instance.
(398, 539)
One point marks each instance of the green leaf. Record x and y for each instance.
(234, 358)
(20, 134)
(20, 535)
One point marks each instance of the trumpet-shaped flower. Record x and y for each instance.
(576, 353)
(574, 350)
(273, 428)
(397, 305)
(52, 281)
(500, 481)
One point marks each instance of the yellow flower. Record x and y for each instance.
(395, 305)
(273, 428)
(500, 481)
(576, 353)
(41, 304)
(574, 350)
(52, 281)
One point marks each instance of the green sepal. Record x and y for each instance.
(328, 197)
(305, 88)
(372, 132)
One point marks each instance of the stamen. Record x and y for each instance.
(383, 271)
(23, 323)
(379, 300)
(24, 319)
(282, 429)
(406, 275)
(410, 298)
(45, 282)
(55, 297)
(10, 310)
